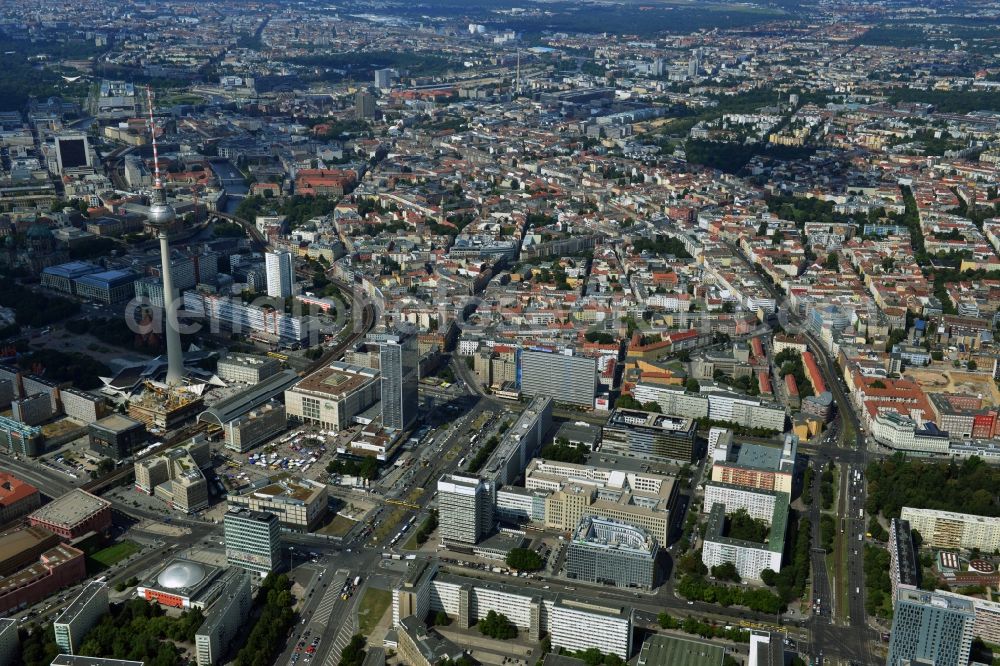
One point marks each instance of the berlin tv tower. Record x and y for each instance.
(162, 216)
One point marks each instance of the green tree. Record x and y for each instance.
(726, 571)
(354, 653)
(524, 559)
(496, 625)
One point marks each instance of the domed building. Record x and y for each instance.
(181, 583)
(39, 238)
(180, 575)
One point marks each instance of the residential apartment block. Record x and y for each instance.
(80, 616)
(948, 529)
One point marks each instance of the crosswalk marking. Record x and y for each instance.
(321, 616)
(347, 630)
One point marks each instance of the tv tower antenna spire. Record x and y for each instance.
(158, 183)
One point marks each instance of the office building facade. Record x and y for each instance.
(255, 427)
(638, 498)
(332, 396)
(398, 361)
(80, 616)
(465, 508)
(300, 504)
(650, 436)
(247, 368)
(567, 379)
(929, 628)
(364, 105)
(253, 540)
(116, 436)
(612, 552)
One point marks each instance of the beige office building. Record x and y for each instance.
(300, 504)
(333, 395)
(638, 498)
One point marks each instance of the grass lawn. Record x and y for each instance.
(339, 526)
(411, 543)
(373, 606)
(103, 559)
(389, 523)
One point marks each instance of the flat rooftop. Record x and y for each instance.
(638, 418)
(284, 489)
(247, 360)
(337, 379)
(40, 569)
(90, 590)
(662, 650)
(79, 660)
(950, 515)
(70, 509)
(19, 540)
(758, 456)
(117, 423)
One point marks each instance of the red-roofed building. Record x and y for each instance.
(880, 394)
(17, 498)
(330, 182)
(684, 339)
(764, 382)
(791, 390)
(813, 374)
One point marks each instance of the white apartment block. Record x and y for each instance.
(744, 411)
(948, 529)
(577, 625)
(673, 400)
(749, 562)
(572, 624)
(224, 621)
(80, 616)
(760, 505)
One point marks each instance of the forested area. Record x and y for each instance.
(969, 486)
(274, 600)
(138, 630)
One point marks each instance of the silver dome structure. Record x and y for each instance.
(161, 214)
(181, 575)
